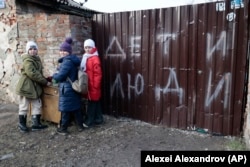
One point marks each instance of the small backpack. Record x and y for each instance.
(81, 84)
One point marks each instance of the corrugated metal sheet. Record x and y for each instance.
(182, 67)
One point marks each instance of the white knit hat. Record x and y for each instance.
(89, 42)
(30, 44)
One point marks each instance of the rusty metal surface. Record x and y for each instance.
(182, 67)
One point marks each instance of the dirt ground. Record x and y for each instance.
(117, 143)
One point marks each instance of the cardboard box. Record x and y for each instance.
(50, 104)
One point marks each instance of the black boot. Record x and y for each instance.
(62, 130)
(36, 124)
(22, 123)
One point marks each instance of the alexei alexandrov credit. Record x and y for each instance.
(182, 158)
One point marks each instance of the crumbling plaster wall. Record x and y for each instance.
(246, 127)
(21, 22)
(8, 50)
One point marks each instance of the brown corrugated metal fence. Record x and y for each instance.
(182, 67)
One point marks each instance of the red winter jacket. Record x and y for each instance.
(94, 71)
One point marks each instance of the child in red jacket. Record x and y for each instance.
(91, 64)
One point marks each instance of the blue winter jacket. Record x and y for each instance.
(69, 100)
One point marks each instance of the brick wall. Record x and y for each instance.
(22, 22)
(49, 30)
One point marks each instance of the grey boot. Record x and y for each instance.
(22, 123)
(36, 124)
